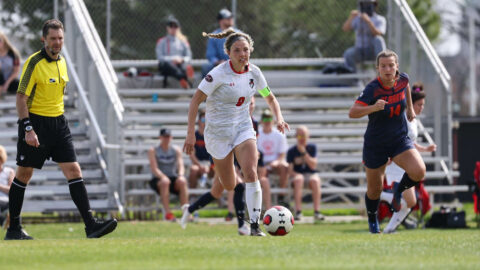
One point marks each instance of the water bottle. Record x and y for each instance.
(154, 97)
(203, 180)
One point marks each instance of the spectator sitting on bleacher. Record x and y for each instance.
(166, 164)
(273, 146)
(302, 160)
(369, 29)
(6, 177)
(174, 54)
(215, 51)
(9, 66)
(201, 160)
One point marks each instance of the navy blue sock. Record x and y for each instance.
(405, 184)
(15, 202)
(372, 208)
(201, 202)
(78, 192)
(239, 202)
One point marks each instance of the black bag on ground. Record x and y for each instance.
(447, 218)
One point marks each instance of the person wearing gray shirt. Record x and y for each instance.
(174, 54)
(166, 164)
(369, 29)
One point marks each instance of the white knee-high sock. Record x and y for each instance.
(396, 219)
(387, 196)
(253, 194)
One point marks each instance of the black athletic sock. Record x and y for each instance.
(15, 202)
(405, 184)
(239, 202)
(78, 192)
(372, 208)
(201, 202)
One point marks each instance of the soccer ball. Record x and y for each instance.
(278, 220)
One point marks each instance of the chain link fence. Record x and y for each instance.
(280, 28)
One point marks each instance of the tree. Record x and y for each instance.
(428, 18)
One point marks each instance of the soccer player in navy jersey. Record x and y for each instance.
(385, 100)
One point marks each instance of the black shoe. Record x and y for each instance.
(255, 230)
(17, 234)
(100, 228)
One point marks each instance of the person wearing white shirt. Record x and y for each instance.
(273, 146)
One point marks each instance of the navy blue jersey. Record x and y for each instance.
(299, 164)
(389, 125)
(200, 150)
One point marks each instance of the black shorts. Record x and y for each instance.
(55, 142)
(154, 184)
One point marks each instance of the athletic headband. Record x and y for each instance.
(417, 89)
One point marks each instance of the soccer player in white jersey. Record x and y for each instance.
(228, 89)
(393, 173)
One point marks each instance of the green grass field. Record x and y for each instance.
(162, 245)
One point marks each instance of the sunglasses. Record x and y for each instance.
(172, 25)
(202, 119)
(267, 119)
(417, 89)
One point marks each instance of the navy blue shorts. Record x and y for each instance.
(376, 155)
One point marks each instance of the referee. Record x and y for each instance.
(43, 133)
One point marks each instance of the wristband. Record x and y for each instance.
(25, 122)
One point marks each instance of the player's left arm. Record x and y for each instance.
(410, 112)
(274, 106)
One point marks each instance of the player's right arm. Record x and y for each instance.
(25, 86)
(366, 103)
(197, 98)
(359, 110)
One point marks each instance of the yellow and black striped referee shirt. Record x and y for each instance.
(44, 80)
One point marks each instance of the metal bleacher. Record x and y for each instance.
(306, 97)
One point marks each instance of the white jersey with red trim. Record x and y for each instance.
(228, 98)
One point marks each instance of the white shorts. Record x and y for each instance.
(393, 173)
(220, 148)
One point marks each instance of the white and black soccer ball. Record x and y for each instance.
(278, 220)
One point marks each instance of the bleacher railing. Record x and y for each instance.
(96, 81)
(420, 60)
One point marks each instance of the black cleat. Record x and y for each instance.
(17, 234)
(255, 230)
(101, 228)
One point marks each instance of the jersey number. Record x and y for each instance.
(240, 101)
(395, 112)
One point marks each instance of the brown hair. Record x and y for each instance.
(231, 36)
(9, 45)
(417, 92)
(387, 53)
(51, 24)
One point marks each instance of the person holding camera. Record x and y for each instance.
(369, 29)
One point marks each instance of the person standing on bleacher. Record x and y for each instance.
(369, 30)
(174, 54)
(43, 133)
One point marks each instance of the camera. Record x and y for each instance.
(367, 6)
